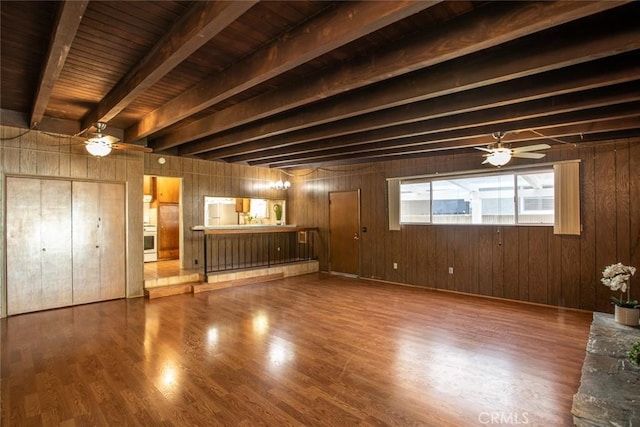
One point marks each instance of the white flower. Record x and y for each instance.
(616, 276)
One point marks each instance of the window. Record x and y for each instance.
(499, 198)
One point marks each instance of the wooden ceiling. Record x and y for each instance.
(297, 84)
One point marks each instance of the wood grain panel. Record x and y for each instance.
(511, 244)
(537, 264)
(485, 260)
(605, 214)
(588, 271)
(523, 263)
(634, 215)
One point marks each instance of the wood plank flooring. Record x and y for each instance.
(314, 350)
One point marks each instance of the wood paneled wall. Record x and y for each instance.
(33, 153)
(202, 178)
(522, 263)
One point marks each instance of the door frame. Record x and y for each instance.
(359, 228)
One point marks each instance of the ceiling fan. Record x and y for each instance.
(499, 153)
(100, 145)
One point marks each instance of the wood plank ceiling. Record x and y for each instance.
(296, 84)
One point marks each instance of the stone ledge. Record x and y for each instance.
(609, 393)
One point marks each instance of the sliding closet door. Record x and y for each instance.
(112, 241)
(86, 246)
(38, 221)
(98, 242)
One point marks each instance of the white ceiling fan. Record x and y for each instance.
(499, 153)
(100, 145)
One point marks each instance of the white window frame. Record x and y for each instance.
(566, 195)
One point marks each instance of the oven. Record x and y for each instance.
(150, 237)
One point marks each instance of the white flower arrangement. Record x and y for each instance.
(617, 277)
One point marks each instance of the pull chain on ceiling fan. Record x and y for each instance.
(499, 154)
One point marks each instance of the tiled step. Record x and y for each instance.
(165, 291)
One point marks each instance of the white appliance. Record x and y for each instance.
(150, 243)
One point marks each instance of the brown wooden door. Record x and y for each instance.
(344, 232)
(168, 230)
(38, 250)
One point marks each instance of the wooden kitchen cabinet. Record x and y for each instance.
(167, 189)
(149, 185)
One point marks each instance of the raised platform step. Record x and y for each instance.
(165, 291)
(173, 280)
(204, 287)
(175, 285)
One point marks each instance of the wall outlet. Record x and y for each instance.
(395, 265)
(450, 270)
(195, 262)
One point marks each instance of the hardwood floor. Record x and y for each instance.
(308, 350)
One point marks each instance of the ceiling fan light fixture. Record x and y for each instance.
(499, 157)
(98, 148)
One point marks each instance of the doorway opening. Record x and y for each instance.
(162, 224)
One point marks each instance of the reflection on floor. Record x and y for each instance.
(163, 273)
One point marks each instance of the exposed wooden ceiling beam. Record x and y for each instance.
(409, 141)
(572, 79)
(64, 32)
(520, 61)
(488, 27)
(571, 133)
(341, 25)
(625, 127)
(199, 25)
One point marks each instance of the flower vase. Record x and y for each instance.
(627, 316)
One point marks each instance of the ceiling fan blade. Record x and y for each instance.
(485, 161)
(531, 148)
(484, 149)
(132, 147)
(103, 138)
(529, 155)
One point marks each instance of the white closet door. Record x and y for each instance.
(112, 241)
(86, 243)
(38, 219)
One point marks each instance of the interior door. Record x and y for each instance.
(86, 242)
(344, 232)
(98, 241)
(38, 251)
(112, 241)
(168, 230)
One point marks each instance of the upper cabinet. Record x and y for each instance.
(149, 185)
(162, 189)
(167, 189)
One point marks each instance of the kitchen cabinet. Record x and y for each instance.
(38, 229)
(65, 243)
(149, 185)
(167, 189)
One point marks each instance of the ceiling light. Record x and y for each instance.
(280, 185)
(98, 148)
(499, 157)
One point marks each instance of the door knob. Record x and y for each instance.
(356, 236)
